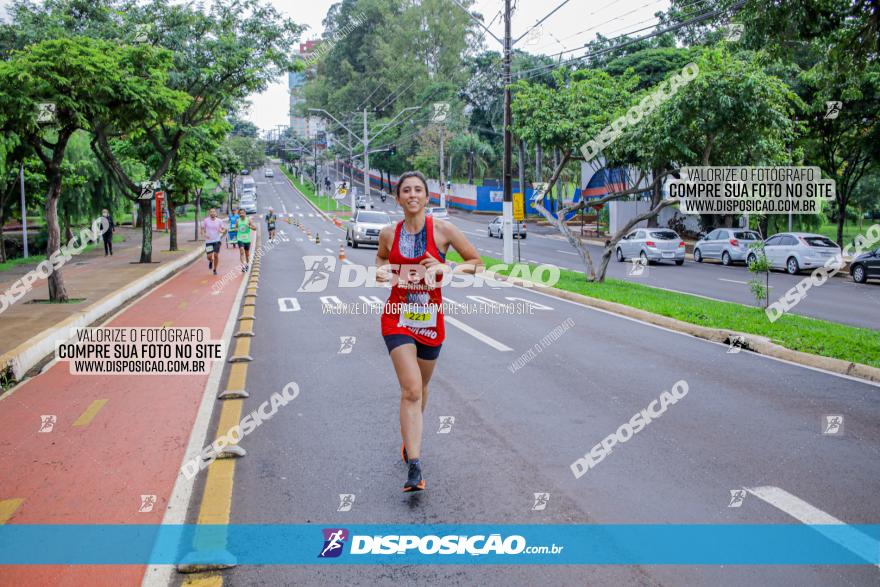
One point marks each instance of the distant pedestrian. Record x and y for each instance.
(232, 235)
(245, 226)
(212, 231)
(271, 218)
(108, 234)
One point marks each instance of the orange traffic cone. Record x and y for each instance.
(342, 252)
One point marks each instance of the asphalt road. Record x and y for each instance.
(838, 300)
(747, 421)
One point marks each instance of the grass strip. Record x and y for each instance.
(799, 333)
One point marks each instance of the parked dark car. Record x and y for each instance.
(866, 266)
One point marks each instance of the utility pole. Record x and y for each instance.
(442, 181)
(366, 142)
(507, 203)
(24, 235)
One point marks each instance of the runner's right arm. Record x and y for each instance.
(386, 239)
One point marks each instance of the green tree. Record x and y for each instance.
(84, 78)
(221, 55)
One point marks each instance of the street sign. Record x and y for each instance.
(148, 189)
(341, 190)
(519, 210)
(46, 112)
(441, 111)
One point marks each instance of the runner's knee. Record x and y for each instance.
(411, 394)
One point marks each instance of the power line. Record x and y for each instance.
(699, 18)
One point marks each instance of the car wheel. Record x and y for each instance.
(859, 274)
(354, 243)
(792, 266)
(523, 236)
(679, 261)
(751, 259)
(490, 233)
(644, 257)
(725, 258)
(619, 255)
(698, 256)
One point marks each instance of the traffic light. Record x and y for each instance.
(392, 150)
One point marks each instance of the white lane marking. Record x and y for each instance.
(853, 540)
(566, 252)
(301, 215)
(310, 215)
(732, 280)
(372, 300)
(485, 338)
(536, 305)
(484, 300)
(327, 232)
(328, 250)
(168, 296)
(297, 207)
(330, 301)
(288, 305)
(283, 207)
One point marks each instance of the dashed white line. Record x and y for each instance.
(853, 540)
(485, 338)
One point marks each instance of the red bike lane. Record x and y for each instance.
(115, 438)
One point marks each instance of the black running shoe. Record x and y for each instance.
(414, 481)
(210, 264)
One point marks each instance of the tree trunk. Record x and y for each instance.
(198, 207)
(2, 243)
(145, 214)
(470, 170)
(656, 195)
(57, 291)
(172, 225)
(522, 170)
(841, 221)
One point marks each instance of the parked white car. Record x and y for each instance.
(795, 251)
(650, 245)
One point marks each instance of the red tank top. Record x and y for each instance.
(423, 318)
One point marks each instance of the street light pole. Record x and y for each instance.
(507, 202)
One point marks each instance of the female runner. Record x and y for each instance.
(412, 319)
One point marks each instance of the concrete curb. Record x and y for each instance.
(755, 343)
(29, 353)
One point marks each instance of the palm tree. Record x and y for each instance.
(476, 152)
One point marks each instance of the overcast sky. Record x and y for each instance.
(576, 23)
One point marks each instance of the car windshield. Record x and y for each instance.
(664, 235)
(746, 236)
(820, 241)
(374, 217)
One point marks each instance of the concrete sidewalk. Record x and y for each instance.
(89, 276)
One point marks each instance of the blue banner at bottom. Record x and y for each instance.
(279, 544)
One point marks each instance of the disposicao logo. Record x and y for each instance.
(334, 540)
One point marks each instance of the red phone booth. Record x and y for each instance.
(160, 211)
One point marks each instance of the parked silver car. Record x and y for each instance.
(650, 245)
(497, 225)
(794, 251)
(249, 205)
(365, 227)
(727, 244)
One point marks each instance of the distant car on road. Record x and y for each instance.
(249, 204)
(438, 213)
(363, 203)
(365, 227)
(865, 266)
(795, 251)
(727, 244)
(651, 245)
(496, 228)
(269, 173)
(245, 172)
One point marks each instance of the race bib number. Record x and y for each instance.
(209, 247)
(418, 316)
